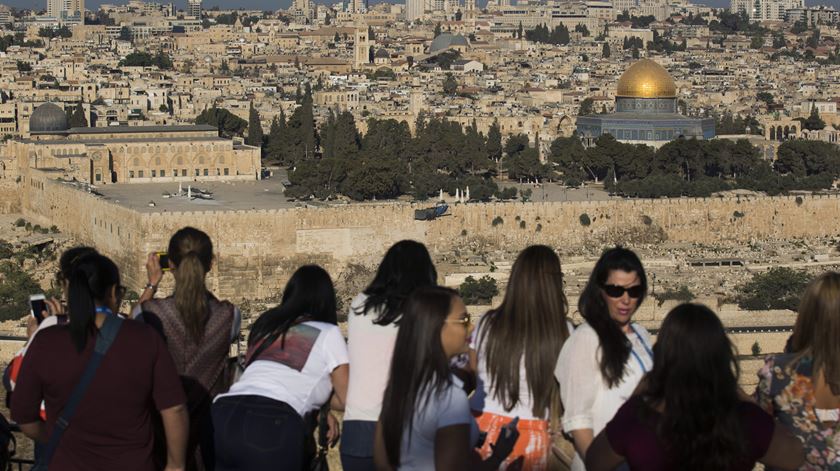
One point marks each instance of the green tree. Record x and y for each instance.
(808, 158)
(779, 40)
(229, 124)
(778, 288)
(15, 288)
(814, 122)
(766, 97)
(605, 50)
(437, 31)
(125, 34)
(635, 52)
(480, 291)
(276, 142)
(757, 41)
(586, 107)
(78, 119)
(450, 84)
(494, 141)
(255, 130)
(23, 66)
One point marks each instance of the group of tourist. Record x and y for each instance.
(420, 388)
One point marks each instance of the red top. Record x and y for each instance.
(637, 441)
(112, 427)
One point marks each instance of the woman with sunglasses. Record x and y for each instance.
(603, 361)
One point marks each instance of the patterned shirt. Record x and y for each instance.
(786, 390)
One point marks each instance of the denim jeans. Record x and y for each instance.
(357, 445)
(256, 433)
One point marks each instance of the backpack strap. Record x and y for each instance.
(104, 340)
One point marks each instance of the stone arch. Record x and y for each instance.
(787, 131)
(772, 133)
(779, 135)
(793, 130)
(136, 162)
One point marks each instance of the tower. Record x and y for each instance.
(469, 8)
(362, 47)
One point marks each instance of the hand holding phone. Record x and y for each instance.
(37, 306)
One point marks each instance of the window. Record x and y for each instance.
(218, 172)
(196, 172)
(227, 172)
(163, 173)
(154, 173)
(183, 172)
(140, 173)
(99, 177)
(206, 172)
(131, 174)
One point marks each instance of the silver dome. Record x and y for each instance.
(48, 117)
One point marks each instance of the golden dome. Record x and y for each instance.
(646, 79)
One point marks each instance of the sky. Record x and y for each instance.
(278, 4)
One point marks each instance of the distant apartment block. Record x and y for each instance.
(766, 10)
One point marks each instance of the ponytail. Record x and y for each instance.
(92, 279)
(191, 251)
(191, 295)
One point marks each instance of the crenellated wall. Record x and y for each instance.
(258, 249)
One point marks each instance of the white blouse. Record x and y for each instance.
(587, 400)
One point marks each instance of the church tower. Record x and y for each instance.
(362, 47)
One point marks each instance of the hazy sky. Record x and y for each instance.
(277, 4)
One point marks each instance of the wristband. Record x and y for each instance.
(151, 287)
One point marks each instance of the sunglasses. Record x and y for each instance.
(615, 291)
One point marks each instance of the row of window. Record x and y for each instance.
(162, 173)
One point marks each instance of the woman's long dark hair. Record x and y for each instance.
(191, 250)
(530, 323)
(695, 377)
(92, 280)
(419, 366)
(309, 294)
(406, 266)
(615, 347)
(68, 260)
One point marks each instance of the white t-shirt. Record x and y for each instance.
(484, 400)
(370, 347)
(587, 400)
(298, 374)
(449, 407)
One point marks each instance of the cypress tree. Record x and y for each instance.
(255, 130)
(78, 119)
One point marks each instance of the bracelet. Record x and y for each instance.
(151, 287)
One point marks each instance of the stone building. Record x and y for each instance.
(646, 111)
(130, 154)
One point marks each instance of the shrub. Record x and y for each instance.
(682, 295)
(15, 288)
(28, 226)
(646, 220)
(497, 220)
(54, 229)
(480, 291)
(737, 214)
(799, 201)
(508, 193)
(522, 224)
(463, 232)
(777, 288)
(36, 228)
(756, 349)
(20, 222)
(526, 195)
(539, 228)
(584, 220)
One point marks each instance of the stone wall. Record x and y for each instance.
(258, 250)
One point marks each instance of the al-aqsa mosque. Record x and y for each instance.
(645, 111)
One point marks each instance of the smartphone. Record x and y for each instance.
(163, 257)
(37, 306)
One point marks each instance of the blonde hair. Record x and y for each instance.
(191, 251)
(818, 327)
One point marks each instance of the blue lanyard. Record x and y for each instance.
(104, 310)
(647, 349)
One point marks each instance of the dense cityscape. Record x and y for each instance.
(704, 139)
